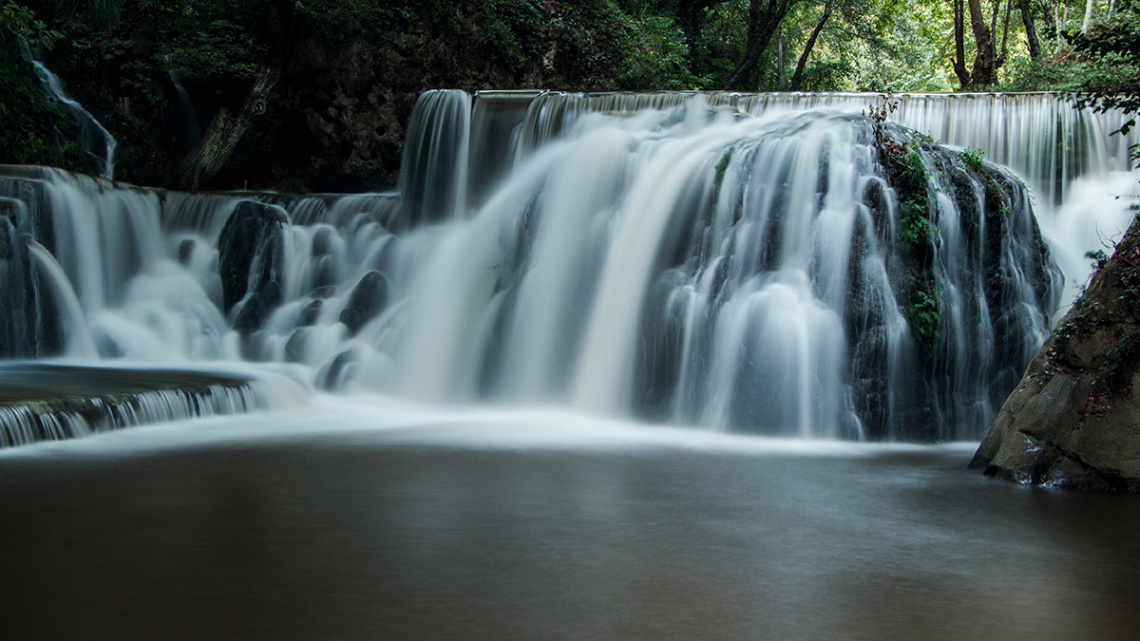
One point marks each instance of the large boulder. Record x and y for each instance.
(1074, 419)
(251, 252)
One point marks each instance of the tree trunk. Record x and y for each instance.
(691, 17)
(762, 25)
(986, 62)
(1089, 6)
(213, 151)
(798, 76)
(964, 80)
(1005, 33)
(1030, 29)
(226, 130)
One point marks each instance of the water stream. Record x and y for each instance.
(92, 137)
(597, 370)
(736, 262)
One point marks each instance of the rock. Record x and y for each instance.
(186, 251)
(1074, 419)
(309, 314)
(366, 300)
(257, 307)
(295, 346)
(10, 208)
(329, 377)
(251, 251)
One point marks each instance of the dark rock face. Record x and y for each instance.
(251, 251)
(365, 301)
(1074, 419)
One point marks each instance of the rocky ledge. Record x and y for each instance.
(53, 401)
(1074, 419)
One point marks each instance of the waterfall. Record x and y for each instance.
(90, 142)
(738, 262)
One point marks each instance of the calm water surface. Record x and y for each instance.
(359, 522)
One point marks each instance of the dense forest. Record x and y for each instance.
(315, 95)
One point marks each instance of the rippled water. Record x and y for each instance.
(364, 519)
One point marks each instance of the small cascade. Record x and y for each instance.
(737, 262)
(495, 119)
(433, 173)
(189, 114)
(52, 402)
(92, 137)
(1042, 137)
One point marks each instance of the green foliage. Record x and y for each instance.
(1098, 257)
(99, 13)
(27, 120)
(915, 231)
(924, 315)
(973, 158)
(218, 49)
(916, 238)
(655, 55)
(1117, 45)
(722, 166)
(510, 31)
(22, 22)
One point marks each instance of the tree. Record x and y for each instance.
(1030, 29)
(764, 18)
(1118, 43)
(798, 76)
(987, 60)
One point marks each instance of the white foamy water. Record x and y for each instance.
(726, 261)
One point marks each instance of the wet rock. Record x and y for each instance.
(330, 376)
(309, 314)
(257, 307)
(295, 346)
(1074, 419)
(10, 209)
(250, 249)
(366, 300)
(322, 242)
(186, 250)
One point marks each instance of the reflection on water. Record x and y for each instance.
(540, 526)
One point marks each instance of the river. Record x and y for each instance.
(362, 518)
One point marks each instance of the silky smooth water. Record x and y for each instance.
(364, 519)
(685, 259)
(722, 260)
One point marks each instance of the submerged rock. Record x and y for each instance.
(366, 300)
(1074, 419)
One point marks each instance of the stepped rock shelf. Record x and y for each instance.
(52, 401)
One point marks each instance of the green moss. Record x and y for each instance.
(973, 158)
(916, 240)
(915, 235)
(722, 166)
(924, 314)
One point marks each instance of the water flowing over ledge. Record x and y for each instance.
(741, 262)
(45, 401)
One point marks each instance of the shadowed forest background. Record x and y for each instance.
(316, 95)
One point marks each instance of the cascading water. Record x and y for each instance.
(739, 262)
(93, 138)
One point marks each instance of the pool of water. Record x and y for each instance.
(362, 519)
